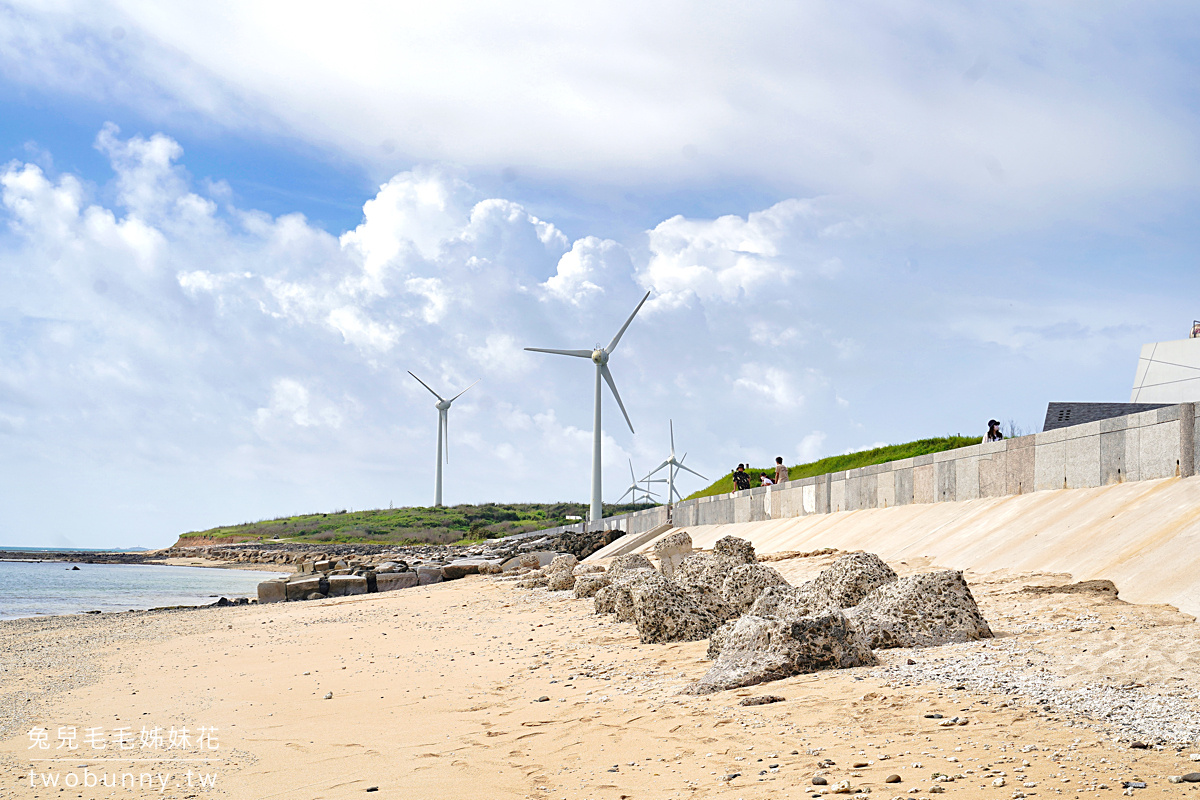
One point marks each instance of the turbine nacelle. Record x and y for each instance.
(600, 356)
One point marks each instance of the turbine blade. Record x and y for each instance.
(464, 391)
(426, 385)
(613, 344)
(672, 437)
(656, 469)
(689, 469)
(579, 353)
(631, 475)
(627, 491)
(612, 385)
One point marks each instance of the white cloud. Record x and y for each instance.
(589, 266)
(292, 403)
(1032, 112)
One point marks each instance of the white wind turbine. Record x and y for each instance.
(599, 356)
(443, 407)
(674, 466)
(636, 486)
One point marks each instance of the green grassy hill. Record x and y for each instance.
(453, 524)
(863, 458)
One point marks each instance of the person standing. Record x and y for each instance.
(740, 479)
(781, 472)
(993, 434)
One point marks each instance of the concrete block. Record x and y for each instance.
(298, 589)
(988, 448)
(1021, 442)
(1168, 414)
(904, 463)
(1113, 424)
(945, 473)
(837, 495)
(1133, 454)
(809, 501)
(966, 477)
(1159, 451)
(924, 485)
(922, 461)
(428, 575)
(1019, 467)
(1052, 437)
(272, 591)
(345, 585)
(1187, 440)
(1050, 464)
(993, 473)
(461, 568)
(741, 507)
(885, 490)
(902, 480)
(323, 566)
(1112, 457)
(1083, 461)
(391, 581)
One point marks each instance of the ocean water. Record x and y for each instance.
(36, 589)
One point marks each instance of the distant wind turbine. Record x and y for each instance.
(599, 356)
(674, 466)
(443, 407)
(636, 487)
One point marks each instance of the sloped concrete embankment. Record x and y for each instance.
(1143, 536)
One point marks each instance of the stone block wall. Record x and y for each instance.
(1159, 443)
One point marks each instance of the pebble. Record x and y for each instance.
(819, 781)
(893, 778)
(1192, 777)
(372, 788)
(543, 699)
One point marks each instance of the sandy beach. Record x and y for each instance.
(479, 689)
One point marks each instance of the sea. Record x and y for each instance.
(34, 589)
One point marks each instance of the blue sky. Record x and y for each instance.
(227, 231)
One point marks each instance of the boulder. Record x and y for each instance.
(708, 571)
(345, 585)
(389, 581)
(428, 575)
(671, 550)
(789, 602)
(851, 578)
(273, 591)
(588, 569)
(664, 612)
(563, 563)
(461, 568)
(759, 649)
(606, 599)
(623, 587)
(534, 581)
(561, 581)
(538, 558)
(299, 588)
(920, 611)
(628, 563)
(746, 582)
(588, 585)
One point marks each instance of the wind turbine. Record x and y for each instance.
(674, 466)
(599, 356)
(636, 486)
(443, 407)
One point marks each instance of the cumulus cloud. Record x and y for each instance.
(1068, 112)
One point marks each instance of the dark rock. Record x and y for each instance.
(1192, 777)
(819, 781)
(543, 699)
(761, 700)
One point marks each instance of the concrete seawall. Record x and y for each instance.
(1150, 445)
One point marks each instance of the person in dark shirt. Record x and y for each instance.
(740, 479)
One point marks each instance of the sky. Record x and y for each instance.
(228, 231)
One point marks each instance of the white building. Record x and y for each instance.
(1168, 372)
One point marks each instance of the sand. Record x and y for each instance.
(437, 693)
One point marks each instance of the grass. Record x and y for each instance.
(862, 458)
(463, 524)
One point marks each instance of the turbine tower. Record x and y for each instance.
(674, 466)
(443, 434)
(599, 356)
